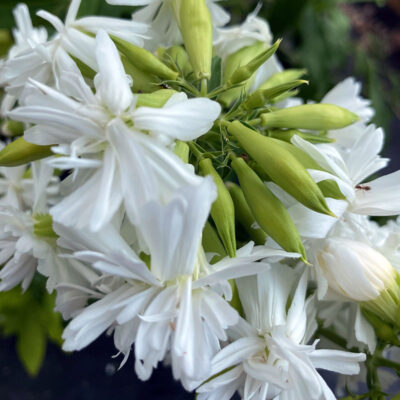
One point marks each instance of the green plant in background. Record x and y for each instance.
(31, 319)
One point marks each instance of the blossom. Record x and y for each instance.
(121, 149)
(270, 357)
(174, 304)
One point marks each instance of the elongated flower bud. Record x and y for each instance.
(196, 27)
(245, 72)
(310, 116)
(232, 63)
(142, 81)
(244, 215)
(269, 212)
(283, 77)
(156, 99)
(263, 96)
(222, 210)
(362, 274)
(281, 166)
(20, 152)
(182, 150)
(177, 59)
(287, 135)
(144, 60)
(43, 226)
(212, 243)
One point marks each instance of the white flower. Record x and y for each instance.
(40, 58)
(270, 358)
(174, 304)
(124, 165)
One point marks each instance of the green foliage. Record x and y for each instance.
(30, 318)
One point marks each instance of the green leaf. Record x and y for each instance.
(216, 74)
(31, 344)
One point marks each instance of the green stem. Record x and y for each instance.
(383, 362)
(195, 151)
(204, 88)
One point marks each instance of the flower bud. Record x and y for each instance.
(261, 97)
(21, 152)
(43, 226)
(282, 167)
(383, 331)
(144, 60)
(246, 71)
(244, 215)
(177, 59)
(269, 212)
(222, 210)
(182, 151)
(287, 135)
(196, 27)
(13, 128)
(283, 77)
(309, 116)
(361, 274)
(212, 243)
(156, 99)
(232, 63)
(141, 80)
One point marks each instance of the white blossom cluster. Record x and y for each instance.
(123, 223)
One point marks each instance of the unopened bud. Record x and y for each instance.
(281, 166)
(156, 99)
(283, 77)
(212, 243)
(269, 212)
(177, 59)
(196, 27)
(232, 63)
(383, 330)
(21, 152)
(144, 59)
(141, 80)
(345, 262)
(43, 226)
(261, 97)
(287, 135)
(222, 210)
(310, 116)
(182, 150)
(244, 215)
(245, 72)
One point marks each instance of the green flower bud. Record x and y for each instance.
(383, 330)
(177, 59)
(287, 135)
(13, 128)
(142, 81)
(182, 151)
(222, 210)
(156, 99)
(283, 77)
(144, 60)
(232, 63)
(43, 226)
(330, 188)
(21, 152)
(310, 116)
(212, 243)
(196, 27)
(283, 168)
(86, 71)
(263, 96)
(246, 71)
(244, 215)
(269, 212)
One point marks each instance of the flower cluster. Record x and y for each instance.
(164, 178)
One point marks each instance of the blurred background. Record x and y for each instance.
(332, 39)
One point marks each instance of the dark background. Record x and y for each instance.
(332, 39)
